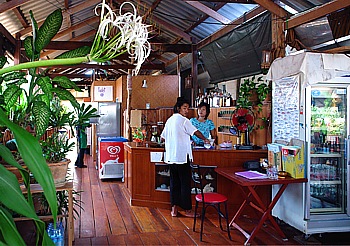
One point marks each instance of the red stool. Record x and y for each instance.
(207, 199)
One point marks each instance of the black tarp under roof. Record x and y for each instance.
(224, 59)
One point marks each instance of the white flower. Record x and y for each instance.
(121, 33)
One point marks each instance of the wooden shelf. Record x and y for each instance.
(36, 188)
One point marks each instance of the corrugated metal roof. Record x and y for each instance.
(178, 16)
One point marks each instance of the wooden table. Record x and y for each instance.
(36, 188)
(252, 198)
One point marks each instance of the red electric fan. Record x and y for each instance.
(243, 121)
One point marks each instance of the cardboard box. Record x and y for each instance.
(293, 158)
(274, 155)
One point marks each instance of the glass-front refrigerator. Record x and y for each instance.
(318, 115)
(327, 135)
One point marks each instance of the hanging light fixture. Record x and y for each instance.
(144, 83)
(266, 59)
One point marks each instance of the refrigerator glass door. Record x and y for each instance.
(327, 138)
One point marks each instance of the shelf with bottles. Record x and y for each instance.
(224, 129)
(325, 169)
(226, 114)
(215, 98)
(326, 144)
(329, 193)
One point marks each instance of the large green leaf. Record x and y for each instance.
(9, 159)
(41, 113)
(31, 153)
(11, 95)
(3, 61)
(8, 228)
(46, 98)
(66, 83)
(78, 52)
(28, 46)
(11, 195)
(48, 29)
(66, 95)
(45, 85)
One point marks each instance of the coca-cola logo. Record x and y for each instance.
(113, 150)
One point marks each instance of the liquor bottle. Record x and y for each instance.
(337, 144)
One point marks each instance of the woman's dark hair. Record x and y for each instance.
(207, 107)
(179, 102)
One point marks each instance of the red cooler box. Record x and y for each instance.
(111, 157)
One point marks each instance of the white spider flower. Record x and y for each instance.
(121, 33)
(116, 35)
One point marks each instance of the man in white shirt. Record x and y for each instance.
(178, 154)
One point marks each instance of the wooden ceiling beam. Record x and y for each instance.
(11, 5)
(7, 35)
(208, 11)
(316, 13)
(273, 8)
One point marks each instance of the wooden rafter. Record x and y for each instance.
(210, 12)
(11, 5)
(316, 13)
(273, 8)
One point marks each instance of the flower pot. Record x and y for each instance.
(59, 172)
(16, 172)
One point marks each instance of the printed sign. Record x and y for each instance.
(103, 93)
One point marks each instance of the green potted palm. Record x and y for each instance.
(33, 110)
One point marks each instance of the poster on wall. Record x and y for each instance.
(103, 93)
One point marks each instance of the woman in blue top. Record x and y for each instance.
(203, 124)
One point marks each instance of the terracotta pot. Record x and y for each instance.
(59, 172)
(16, 172)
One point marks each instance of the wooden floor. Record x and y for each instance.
(108, 219)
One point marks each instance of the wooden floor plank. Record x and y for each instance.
(144, 219)
(100, 216)
(99, 241)
(132, 239)
(115, 219)
(116, 240)
(173, 222)
(165, 238)
(126, 212)
(87, 227)
(149, 239)
(182, 237)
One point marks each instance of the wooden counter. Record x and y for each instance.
(140, 173)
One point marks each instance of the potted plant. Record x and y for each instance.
(252, 92)
(33, 110)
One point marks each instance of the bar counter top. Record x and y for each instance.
(154, 147)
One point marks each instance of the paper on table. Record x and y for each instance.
(156, 156)
(251, 175)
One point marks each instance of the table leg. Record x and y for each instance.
(70, 218)
(267, 213)
(243, 205)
